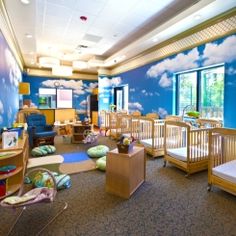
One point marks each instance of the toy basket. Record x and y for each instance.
(125, 148)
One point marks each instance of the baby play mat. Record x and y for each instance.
(68, 163)
(76, 162)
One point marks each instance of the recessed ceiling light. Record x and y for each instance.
(155, 39)
(29, 36)
(197, 17)
(25, 1)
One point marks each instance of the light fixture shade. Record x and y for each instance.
(49, 62)
(79, 64)
(24, 88)
(62, 70)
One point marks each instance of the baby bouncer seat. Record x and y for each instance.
(33, 196)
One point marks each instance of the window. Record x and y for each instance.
(201, 90)
(64, 98)
(55, 98)
(187, 90)
(121, 97)
(47, 98)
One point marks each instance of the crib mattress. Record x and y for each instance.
(148, 142)
(181, 153)
(226, 171)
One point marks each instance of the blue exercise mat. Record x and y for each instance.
(75, 157)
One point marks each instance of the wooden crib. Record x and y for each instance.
(185, 147)
(103, 121)
(208, 123)
(151, 135)
(222, 159)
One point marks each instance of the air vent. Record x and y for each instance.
(92, 38)
(81, 46)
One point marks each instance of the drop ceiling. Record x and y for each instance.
(111, 31)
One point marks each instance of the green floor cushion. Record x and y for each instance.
(43, 150)
(98, 151)
(101, 163)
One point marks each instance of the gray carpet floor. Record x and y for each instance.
(167, 203)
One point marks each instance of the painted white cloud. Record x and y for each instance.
(231, 71)
(135, 106)
(146, 93)
(9, 113)
(132, 90)
(83, 103)
(179, 63)
(106, 82)
(79, 88)
(72, 84)
(162, 112)
(1, 119)
(165, 81)
(1, 107)
(14, 70)
(80, 111)
(219, 53)
(79, 91)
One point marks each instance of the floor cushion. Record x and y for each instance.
(43, 150)
(101, 163)
(98, 151)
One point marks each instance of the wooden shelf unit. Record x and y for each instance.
(78, 132)
(18, 156)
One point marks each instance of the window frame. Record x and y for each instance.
(198, 85)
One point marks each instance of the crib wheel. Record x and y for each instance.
(209, 187)
(164, 164)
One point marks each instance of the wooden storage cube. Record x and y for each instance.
(125, 172)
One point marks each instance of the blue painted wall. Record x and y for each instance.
(81, 89)
(151, 87)
(10, 76)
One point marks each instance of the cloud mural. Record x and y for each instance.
(78, 86)
(1, 107)
(83, 103)
(219, 53)
(10, 76)
(81, 111)
(162, 112)
(14, 71)
(1, 112)
(135, 106)
(164, 70)
(106, 82)
(231, 71)
(146, 93)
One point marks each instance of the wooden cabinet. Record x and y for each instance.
(92, 101)
(125, 172)
(78, 131)
(18, 157)
(95, 118)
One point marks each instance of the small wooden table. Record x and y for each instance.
(125, 172)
